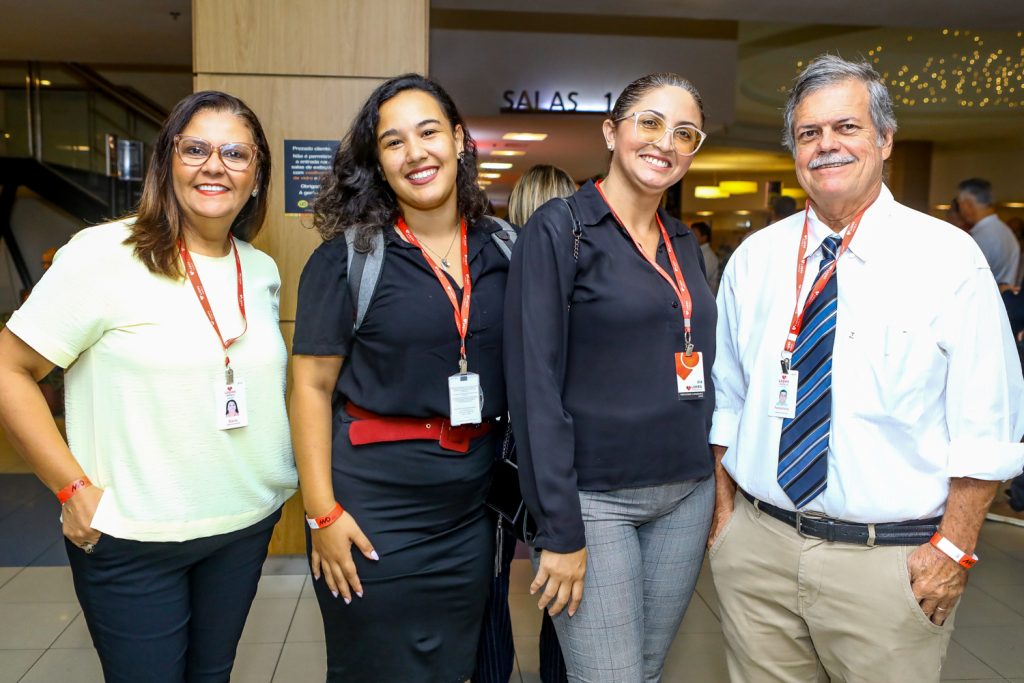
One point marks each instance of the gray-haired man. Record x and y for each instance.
(887, 326)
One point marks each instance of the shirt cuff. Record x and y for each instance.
(724, 426)
(24, 330)
(985, 459)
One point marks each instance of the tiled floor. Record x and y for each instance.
(43, 638)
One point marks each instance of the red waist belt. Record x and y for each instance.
(372, 428)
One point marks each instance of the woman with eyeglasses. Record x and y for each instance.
(161, 319)
(609, 342)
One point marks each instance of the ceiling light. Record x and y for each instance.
(738, 186)
(45, 82)
(794, 192)
(1014, 205)
(705, 213)
(492, 176)
(483, 183)
(525, 137)
(942, 207)
(496, 165)
(507, 153)
(709, 192)
(743, 212)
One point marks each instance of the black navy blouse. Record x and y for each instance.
(592, 386)
(408, 345)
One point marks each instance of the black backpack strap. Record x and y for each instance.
(364, 271)
(505, 237)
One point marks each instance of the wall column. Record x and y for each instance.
(910, 173)
(305, 67)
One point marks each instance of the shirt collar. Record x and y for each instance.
(592, 210)
(870, 234)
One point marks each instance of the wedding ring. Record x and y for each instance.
(941, 609)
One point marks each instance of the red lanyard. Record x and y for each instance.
(819, 285)
(461, 312)
(678, 285)
(197, 285)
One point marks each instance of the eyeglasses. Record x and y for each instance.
(651, 128)
(237, 156)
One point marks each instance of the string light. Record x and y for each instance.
(970, 70)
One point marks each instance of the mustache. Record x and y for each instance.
(831, 158)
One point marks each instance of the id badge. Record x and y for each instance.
(690, 375)
(782, 402)
(230, 404)
(465, 399)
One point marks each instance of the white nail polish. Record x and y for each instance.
(359, 593)
(334, 593)
(373, 555)
(348, 601)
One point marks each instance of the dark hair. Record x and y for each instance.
(783, 206)
(159, 223)
(978, 188)
(227, 406)
(645, 84)
(829, 70)
(355, 196)
(703, 228)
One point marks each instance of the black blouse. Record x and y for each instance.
(592, 388)
(408, 345)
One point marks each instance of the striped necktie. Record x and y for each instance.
(803, 448)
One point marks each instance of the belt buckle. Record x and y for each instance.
(798, 524)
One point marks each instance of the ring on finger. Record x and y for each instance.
(941, 609)
(88, 547)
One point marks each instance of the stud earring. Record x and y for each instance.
(611, 147)
(462, 155)
(255, 192)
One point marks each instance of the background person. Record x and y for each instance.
(167, 518)
(907, 411)
(371, 411)
(497, 649)
(703, 232)
(612, 445)
(995, 238)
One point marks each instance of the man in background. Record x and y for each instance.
(703, 232)
(996, 239)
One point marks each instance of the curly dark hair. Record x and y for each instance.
(159, 222)
(355, 196)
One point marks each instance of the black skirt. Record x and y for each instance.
(422, 507)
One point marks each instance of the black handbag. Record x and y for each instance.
(505, 496)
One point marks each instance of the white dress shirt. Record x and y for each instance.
(926, 382)
(1000, 247)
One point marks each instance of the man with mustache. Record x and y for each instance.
(847, 519)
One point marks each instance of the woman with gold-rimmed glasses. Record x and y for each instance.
(609, 342)
(162, 319)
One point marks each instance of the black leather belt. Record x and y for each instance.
(815, 525)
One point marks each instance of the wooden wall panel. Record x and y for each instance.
(368, 38)
(294, 108)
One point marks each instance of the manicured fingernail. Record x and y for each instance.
(348, 601)
(316, 577)
(334, 593)
(373, 555)
(359, 593)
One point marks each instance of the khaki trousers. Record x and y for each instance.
(802, 610)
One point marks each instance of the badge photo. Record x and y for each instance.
(231, 405)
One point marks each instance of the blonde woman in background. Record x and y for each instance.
(496, 650)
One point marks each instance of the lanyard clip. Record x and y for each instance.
(463, 365)
(229, 376)
(785, 362)
(689, 344)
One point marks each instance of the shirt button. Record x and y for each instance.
(675, 304)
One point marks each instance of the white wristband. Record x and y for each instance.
(949, 549)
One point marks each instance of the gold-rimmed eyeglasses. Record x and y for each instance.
(651, 128)
(237, 156)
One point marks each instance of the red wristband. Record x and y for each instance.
(326, 520)
(64, 495)
(949, 549)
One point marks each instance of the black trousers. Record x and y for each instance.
(496, 651)
(170, 612)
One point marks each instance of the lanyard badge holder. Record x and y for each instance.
(688, 363)
(465, 397)
(231, 408)
(784, 399)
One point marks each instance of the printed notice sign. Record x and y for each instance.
(304, 162)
